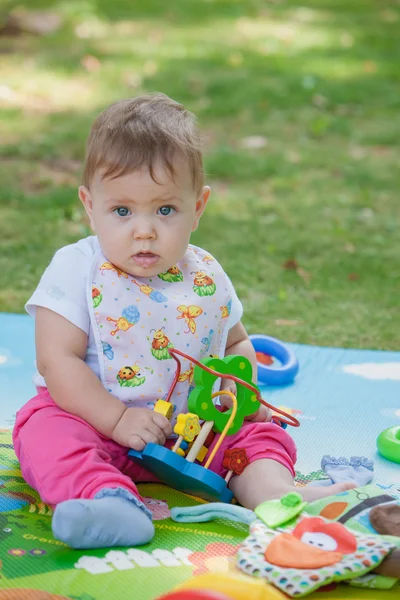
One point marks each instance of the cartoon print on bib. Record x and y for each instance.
(152, 294)
(190, 313)
(130, 376)
(160, 345)
(315, 552)
(107, 350)
(187, 375)
(203, 284)
(97, 297)
(107, 266)
(207, 340)
(130, 316)
(173, 275)
(138, 320)
(226, 310)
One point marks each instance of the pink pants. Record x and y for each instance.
(64, 458)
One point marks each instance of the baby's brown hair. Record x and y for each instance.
(135, 132)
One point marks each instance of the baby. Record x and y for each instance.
(106, 311)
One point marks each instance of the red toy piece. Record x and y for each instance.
(235, 460)
(209, 439)
(264, 359)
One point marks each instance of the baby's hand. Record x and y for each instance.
(139, 426)
(229, 386)
(262, 415)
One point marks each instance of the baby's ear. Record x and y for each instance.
(86, 199)
(201, 203)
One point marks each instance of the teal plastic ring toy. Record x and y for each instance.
(388, 444)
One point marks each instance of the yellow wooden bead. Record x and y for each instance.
(180, 452)
(164, 408)
(202, 454)
(188, 426)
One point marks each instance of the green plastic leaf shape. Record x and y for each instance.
(200, 400)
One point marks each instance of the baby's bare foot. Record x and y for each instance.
(311, 493)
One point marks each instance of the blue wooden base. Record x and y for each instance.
(178, 473)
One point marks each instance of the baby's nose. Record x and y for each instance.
(143, 229)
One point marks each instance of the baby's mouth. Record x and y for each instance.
(145, 259)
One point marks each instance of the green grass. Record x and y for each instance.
(318, 79)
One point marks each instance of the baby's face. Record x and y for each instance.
(144, 227)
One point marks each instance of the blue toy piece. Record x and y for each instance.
(177, 472)
(276, 376)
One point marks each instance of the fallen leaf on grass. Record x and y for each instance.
(353, 276)
(56, 174)
(319, 100)
(157, 36)
(357, 152)
(293, 156)
(389, 15)
(34, 22)
(235, 59)
(370, 66)
(287, 322)
(366, 214)
(90, 63)
(349, 247)
(91, 29)
(346, 39)
(305, 275)
(132, 80)
(254, 142)
(291, 264)
(150, 68)
(381, 150)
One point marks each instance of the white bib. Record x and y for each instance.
(135, 321)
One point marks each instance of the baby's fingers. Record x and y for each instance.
(163, 423)
(153, 434)
(263, 415)
(226, 400)
(136, 443)
(268, 414)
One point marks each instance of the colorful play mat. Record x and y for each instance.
(343, 400)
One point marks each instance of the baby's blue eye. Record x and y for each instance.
(122, 211)
(166, 211)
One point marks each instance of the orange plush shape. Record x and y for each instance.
(287, 551)
(346, 542)
(334, 510)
